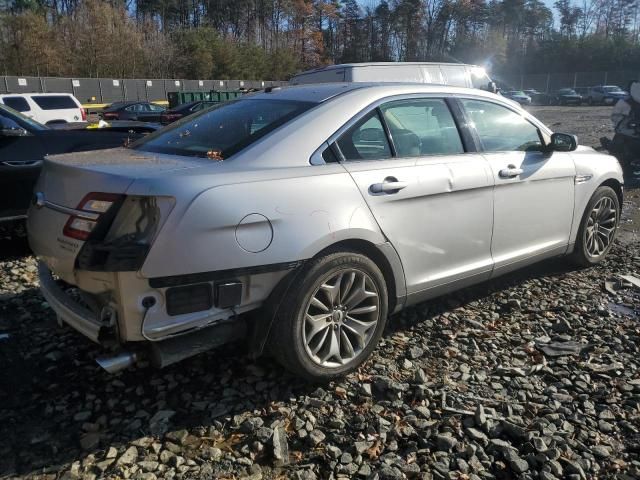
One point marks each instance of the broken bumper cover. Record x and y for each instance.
(70, 312)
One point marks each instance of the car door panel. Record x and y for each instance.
(534, 210)
(20, 160)
(439, 219)
(534, 189)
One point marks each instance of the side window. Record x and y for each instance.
(422, 127)
(8, 124)
(155, 108)
(366, 140)
(17, 103)
(501, 129)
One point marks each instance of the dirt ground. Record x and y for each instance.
(589, 123)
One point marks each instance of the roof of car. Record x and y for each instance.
(36, 94)
(321, 92)
(377, 64)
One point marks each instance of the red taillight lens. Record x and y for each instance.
(91, 208)
(83, 114)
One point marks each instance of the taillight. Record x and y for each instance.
(110, 116)
(83, 113)
(90, 210)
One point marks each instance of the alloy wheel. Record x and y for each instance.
(341, 318)
(601, 227)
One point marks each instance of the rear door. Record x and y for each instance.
(431, 198)
(534, 190)
(20, 160)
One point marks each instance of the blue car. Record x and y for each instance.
(606, 95)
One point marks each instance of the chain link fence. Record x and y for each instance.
(108, 90)
(549, 82)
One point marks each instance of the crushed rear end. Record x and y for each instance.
(92, 237)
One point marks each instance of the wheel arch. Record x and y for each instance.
(385, 257)
(616, 186)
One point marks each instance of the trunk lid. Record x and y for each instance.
(66, 179)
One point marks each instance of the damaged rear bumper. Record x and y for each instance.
(68, 311)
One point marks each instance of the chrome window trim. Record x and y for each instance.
(317, 155)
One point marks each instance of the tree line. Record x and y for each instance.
(271, 40)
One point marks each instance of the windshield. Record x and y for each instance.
(22, 120)
(612, 89)
(517, 92)
(567, 91)
(220, 132)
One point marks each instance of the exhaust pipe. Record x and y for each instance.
(117, 362)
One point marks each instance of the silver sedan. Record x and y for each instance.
(300, 218)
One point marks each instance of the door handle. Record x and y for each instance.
(389, 185)
(510, 172)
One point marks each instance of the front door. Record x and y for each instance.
(433, 201)
(534, 190)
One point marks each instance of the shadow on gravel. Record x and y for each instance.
(57, 405)
(13, 241)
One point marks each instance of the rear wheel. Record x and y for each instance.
(598, 227)
(332, 319)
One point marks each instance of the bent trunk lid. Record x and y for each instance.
(66, 179)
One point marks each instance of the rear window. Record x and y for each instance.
(223, 131)
(54, 102)
(19, 104)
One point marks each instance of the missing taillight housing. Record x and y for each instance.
(92, 210)
(123, 242)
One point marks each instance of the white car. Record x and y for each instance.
(46, 108)
(299, 218)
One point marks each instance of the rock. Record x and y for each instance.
(129, 456)
(517, 464)
(600, 451)
(316, 437)
(177, 436)
(445, 442)
(210, 453)
(280, 446)
(90, 440)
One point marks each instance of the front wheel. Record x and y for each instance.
(332, 318)
(598, 227)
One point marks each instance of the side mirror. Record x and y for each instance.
(13, 132)
(492, 87)
(563, 142)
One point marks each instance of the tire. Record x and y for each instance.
(590, 101)
(313, 354)
(591, 248)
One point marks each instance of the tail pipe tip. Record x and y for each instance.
(119, 361)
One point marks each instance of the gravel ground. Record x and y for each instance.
(532, 376)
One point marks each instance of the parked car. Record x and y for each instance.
(536, 96)
(46, 108)
(455, 74)
(321, 208)
(565, 96)
(136, 111)
(583, 92)
(176, 113)
(606, 94)
(518, 96)
(23, 146)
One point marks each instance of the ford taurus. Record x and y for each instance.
(300, 218)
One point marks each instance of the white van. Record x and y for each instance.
(46, 108)
(454, 74)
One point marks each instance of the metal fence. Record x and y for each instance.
(108, 90)
(548, 82)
